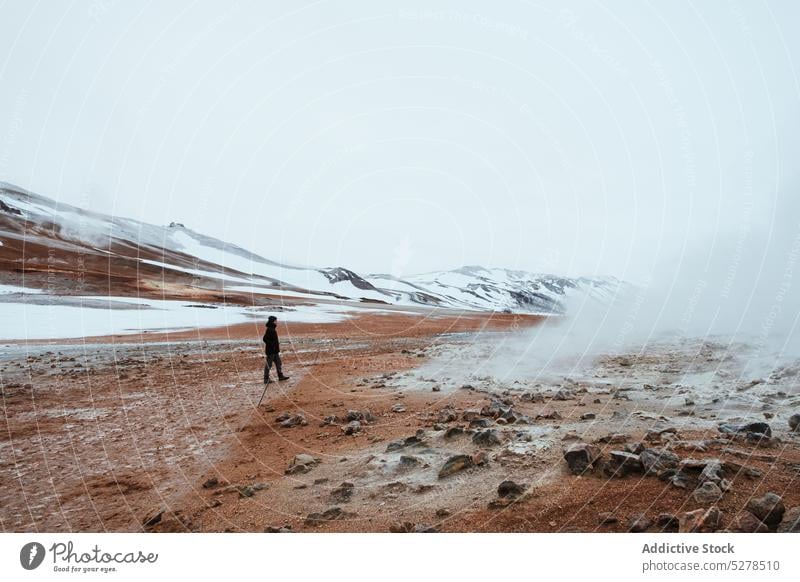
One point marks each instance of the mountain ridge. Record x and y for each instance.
(172, 257)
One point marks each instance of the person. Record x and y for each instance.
(273, 350)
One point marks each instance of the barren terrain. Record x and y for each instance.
(161, 432)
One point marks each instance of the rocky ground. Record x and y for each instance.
(389, 423)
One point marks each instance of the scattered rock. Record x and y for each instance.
(658, 433)
(613, 439)
(563, 394)
(408, 527)
(245, 491)
(588, 416)
(276, 529)
(295, 420)
(447, 415)
(768, 508)
(470, 414)
(708, 493)
(623, 463)
(408, 462)
(700, 520)
(548, 413)
(656, 460)
(408, 442)
(352, 427)
(667, 522)
(486, 438)
(713, 472)
(455, 464)
(510, 489)
(331, 514)
(606, 518)
(442, 512)
(479, 458)
(153, 517)
(343, 493)
(453, 432)
(639, 523)
(676, 478)
(791, 521)
(581, 456)
(301, 463)
(398, 408)
(211, 483)
(758, 429)
(746, 522)
(794, 422)
(532, 397)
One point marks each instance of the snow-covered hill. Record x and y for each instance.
(36, 231)
(496, 289)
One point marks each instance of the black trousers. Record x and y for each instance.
(276, 358)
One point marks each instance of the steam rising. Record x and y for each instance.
(738, 288)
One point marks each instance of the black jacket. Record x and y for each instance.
(273, 346)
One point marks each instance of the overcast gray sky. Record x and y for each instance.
(576, 138)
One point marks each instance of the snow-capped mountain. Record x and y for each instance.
(475, 287)
(93, 253)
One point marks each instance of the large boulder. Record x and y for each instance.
(768, 508)
(655, 461)
(581, 457)
(623, 463)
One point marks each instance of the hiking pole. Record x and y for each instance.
(262, 395)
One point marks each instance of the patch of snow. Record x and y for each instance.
(8, 289)
(133, 315)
